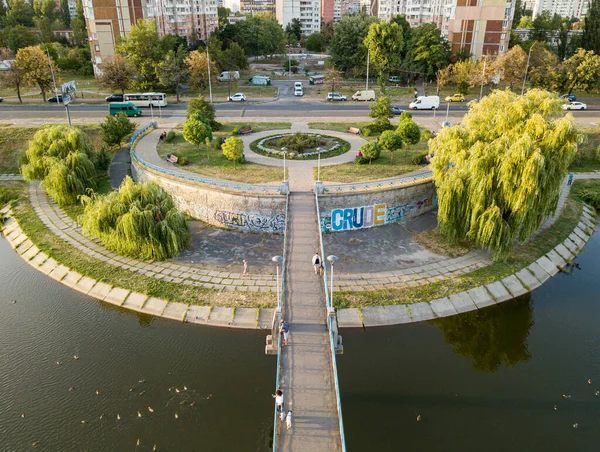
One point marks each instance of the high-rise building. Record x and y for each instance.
(327, 10)
(107, 21)
(250, 7)
(349, 7)
(564, 8)
(192, 19)
(482, 27)
(307, 11)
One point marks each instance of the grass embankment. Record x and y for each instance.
(515, 261)
(14, 142)
(210, 161)
(78, 261)
(331, 141)
(587, 158)
(385, 166)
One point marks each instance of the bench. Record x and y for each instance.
(355, 130)
(172, 158)
(245, 131)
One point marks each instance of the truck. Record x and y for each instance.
(364, 95)
(227, 76)
(425, 103)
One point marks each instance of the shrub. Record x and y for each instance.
(170, 136)
(405, 115)
(233, 149)
(102, 159)
(426, 135)
(183, 161)
(419, 159)
(235, 131)
(409, 131)
(207, 110)
(366, 132)
(139, 220)
(380, 126)
(300, 142)
(196, 131)
(58, 156)
(391, 142)
(115, 128)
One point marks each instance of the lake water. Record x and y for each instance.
(487, 380)
(228, 377)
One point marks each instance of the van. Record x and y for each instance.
(364, 95)
(297, 85)
(114, 108)
(226, 76)
(425, 103)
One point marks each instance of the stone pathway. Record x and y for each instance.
(10, 177)
(67, 230)
(306, 364)
(120, 167)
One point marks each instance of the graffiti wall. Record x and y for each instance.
(354, 211)
(253, 222)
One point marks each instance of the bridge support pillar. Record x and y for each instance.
(273, 339)
(337, 339)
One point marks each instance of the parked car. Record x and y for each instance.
(456, 98)
(298, 92)
(114, 98)
(574, 106)
(297, 85)
(336, 96)
(394, 79)
(364, 95)
(237, 97)
(57, 98)
(425, 103)
(397, 110)
(569, 97)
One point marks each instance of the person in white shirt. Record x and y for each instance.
(278, 396)
(316, 261)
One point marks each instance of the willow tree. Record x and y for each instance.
(139, 220)
(498, 173)
(58, 156)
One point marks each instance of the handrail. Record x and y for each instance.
(380, 184)
(280, 306)
(330, 327)
(198, 178)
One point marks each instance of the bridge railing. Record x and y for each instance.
(380, 184)
(277, 319)
(332, 329)
(186, 176)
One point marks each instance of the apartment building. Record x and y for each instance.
(192, 19)
(250, 7)
(327, 10)
(480, 26)
(307, 11)
(107, 21)
(564, 8)
(349, 7)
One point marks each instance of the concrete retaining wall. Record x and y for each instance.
(246, 212)
(359, 210)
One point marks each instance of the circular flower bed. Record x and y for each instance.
(300, 146)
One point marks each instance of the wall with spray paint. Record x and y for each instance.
(351, 211)
(245, 212)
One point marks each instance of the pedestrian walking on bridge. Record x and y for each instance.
(316, 261)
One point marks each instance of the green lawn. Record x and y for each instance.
(587, 159)
(14, 142)
(210, 162)
(385, 166)
(519, 258)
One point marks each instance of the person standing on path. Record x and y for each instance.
(570, 179)
(285, 332)
(316, 261)
(278, 396)
(245, 272)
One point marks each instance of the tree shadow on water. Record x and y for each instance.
(491, 337)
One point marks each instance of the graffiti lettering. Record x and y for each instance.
(251, 221)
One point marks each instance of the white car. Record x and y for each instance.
(237, 97)
(336, 96)
(298, 92)
(574, 106)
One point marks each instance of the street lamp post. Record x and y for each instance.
(527, 67)
(278, 260)
(319, 164)
(332, 259)
(284, 150)
(482, 80)
(447, 110)
(368, 58)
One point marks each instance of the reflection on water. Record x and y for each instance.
(491, 337)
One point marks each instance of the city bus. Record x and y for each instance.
(144, 99)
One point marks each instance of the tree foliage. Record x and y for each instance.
(143, 48)
(498, 173)
(581, 71)
(384, 42)
(196, 130)
(409, 131)
(12, 78)
(511, 66)
(139, 220)
(591, 28)
(117, 73)
(428, 50)
(20, 12)
(173, 71)
(19, 37)
(316, 42)
(198, 66)
(33, 61)
(115, 128)
(58, 156)
(370, 151)
(390, 141)
(233, 149)
(381, 111)
(199, 106)
(347, 49)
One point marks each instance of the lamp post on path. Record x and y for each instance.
(332, 259)
(278, 260)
